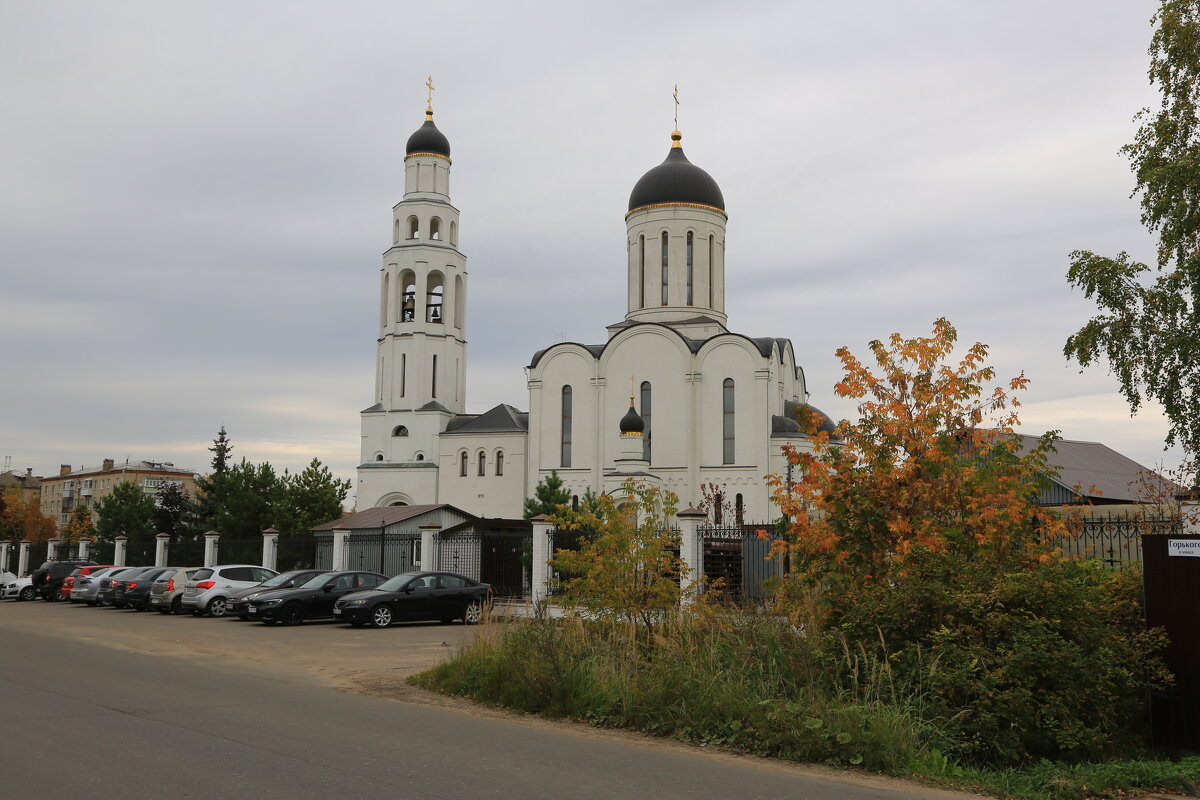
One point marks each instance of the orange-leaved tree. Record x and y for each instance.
(931, 464)
(23, 518)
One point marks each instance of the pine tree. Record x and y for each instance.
(548, 495)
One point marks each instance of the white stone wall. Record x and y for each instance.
(490, 495)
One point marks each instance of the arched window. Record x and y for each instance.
(689, 268)
(420, 456)
(482, 464)
(574, 502)
(453, 232)
(403, 373)
(413, 228)
(712, 269)
(460, 302)
(664, 268)
(462, 464)
(719, 508)
(738, 510)
(435, 229)
(379, 456)
(499, 462)
(565, 456)
(433, 381)
(400, 430)
(396, 230)
(433, 297)
(727, 421)
(407, 286)
(645, 412)
(383, 320)
(642, 271)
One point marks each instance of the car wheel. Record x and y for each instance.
(217, 607)
(26, 593)
(381, 617)
(164, 610)
(176, 606)
(291, 614)
(473, 615)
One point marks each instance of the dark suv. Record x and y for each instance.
(48, 578)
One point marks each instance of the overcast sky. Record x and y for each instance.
(194, 196)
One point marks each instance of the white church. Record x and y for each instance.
(709, 407)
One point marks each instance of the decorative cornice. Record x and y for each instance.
(434, 155)
(633, 211)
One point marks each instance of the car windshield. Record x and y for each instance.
(317, 581)
(397, 583)
(281, 579)
(201, 574)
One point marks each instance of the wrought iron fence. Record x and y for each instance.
(1115, 539)
(388, 553)
(738, 559)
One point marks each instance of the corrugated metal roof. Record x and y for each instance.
(1099, 471)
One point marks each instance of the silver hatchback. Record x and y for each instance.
(166, 593)
(209, 589)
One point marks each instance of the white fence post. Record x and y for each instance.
(84, 544)
(23, 558)
(270, 548)
(691, 553)
(211, 546)
(4, 548)
(429, 545)
(339, 549)
(540, 573)
(160, 549)
(52, 549)
(119, 550)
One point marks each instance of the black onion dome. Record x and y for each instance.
(632, 422)
(816, 420)
(428, 139)
(676, 180)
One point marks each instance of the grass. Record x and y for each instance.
(755, 684)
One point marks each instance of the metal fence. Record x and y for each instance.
(738, 559)
(388, 553)
(1115, 539)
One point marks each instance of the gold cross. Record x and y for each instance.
(429, 100)
(676, 95)
(631, 392)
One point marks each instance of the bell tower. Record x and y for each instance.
(421, 346)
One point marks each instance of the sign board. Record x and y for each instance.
(1183, 547)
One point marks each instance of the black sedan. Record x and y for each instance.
(311, 600)
(134, 591)
(442, 596)
(240, 602)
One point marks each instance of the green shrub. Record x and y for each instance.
(1022, 659)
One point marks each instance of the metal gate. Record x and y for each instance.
(1171, 580)
(388, 553)
(737, 559)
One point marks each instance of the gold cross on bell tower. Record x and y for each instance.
(429, 98)
(676, 135)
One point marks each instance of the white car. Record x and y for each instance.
(14, 588)
(209, 589)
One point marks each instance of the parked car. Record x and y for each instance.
(240, 602)
(134, 591)
(19, 588)
(166, 593)
(8, 585)
(443, 596)
(208, 591)
(85, 587)
(109, 584)
(311, 600)
(68, 584)
(48, 578)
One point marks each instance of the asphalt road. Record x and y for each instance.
(105, 715)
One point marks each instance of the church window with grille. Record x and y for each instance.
(645, 413)
(482, 464)
(727, 422)
(690, 276)
(664, 268)
(499, 462)
(565, 456)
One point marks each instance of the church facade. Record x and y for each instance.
(669, 395)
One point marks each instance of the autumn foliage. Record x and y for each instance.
(931, 464)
